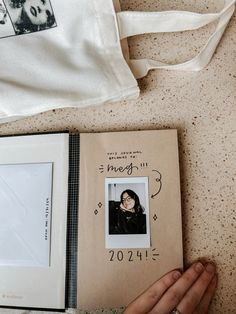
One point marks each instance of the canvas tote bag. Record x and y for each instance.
(73, 53)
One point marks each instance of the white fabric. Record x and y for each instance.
(78, 61)
(134, 23)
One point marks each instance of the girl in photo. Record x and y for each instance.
(131, 217)
(30, 15)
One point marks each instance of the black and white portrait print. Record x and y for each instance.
(25, 16)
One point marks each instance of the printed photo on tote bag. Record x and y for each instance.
(22, 17)
(57, 53)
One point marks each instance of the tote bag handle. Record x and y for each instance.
(132, 23)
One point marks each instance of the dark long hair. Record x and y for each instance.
(16, 3)
(137, 206)
(25, 25)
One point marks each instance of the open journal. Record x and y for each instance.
(87, 220)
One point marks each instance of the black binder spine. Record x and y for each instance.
(72, 224)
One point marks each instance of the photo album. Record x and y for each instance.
(87, 220)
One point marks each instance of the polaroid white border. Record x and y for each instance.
(126, 241)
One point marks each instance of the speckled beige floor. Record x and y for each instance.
(202, 106)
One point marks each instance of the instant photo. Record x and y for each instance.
(127, 213)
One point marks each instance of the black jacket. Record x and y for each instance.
(131, 223)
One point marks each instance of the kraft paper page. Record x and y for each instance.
(110, 277)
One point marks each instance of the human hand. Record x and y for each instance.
(187, 293)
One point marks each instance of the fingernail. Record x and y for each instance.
(210, 268)
(198, 267)
(176, 275)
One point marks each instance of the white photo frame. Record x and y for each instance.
(124, 227)
(53, 150)
(25, 214)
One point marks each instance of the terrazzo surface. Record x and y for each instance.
(202, 106)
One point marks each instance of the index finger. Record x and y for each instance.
(149, 298)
